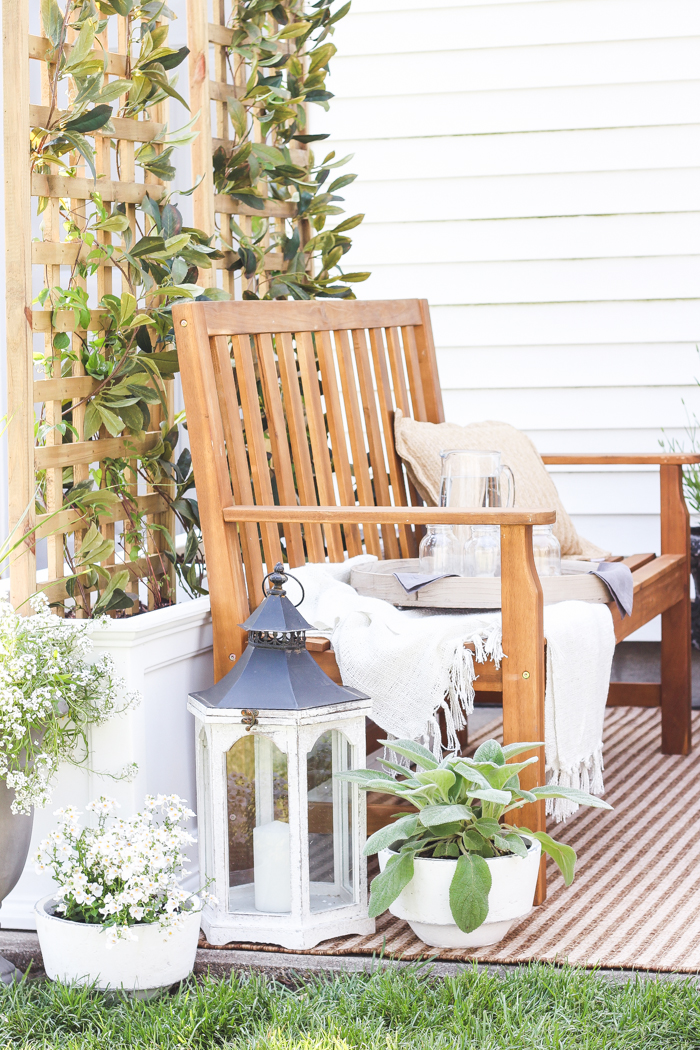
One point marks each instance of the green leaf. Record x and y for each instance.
(348, 224)
(490, 751)
(488, 827)
(469, 892)
(572, 794)
(113, 90)
(171, 221)
(443, 779)
(511, 750)
(111, 420)
(364, 776)
(443, 814)
(92, 421)
(52, 21)
(388, 885)
(563, 856)
(413, 752)
(118, 582)
(294, 29)
(515, 844)
(391, 833)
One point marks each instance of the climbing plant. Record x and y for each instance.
(278, 60)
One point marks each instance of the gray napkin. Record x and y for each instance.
(618, 579)
(413, 581)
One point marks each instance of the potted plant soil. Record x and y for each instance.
(458, 873)
(120, 918)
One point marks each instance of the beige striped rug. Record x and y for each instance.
(635, 902)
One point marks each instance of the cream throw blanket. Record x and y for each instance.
(413, 663)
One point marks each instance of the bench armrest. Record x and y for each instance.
(389, 515)
(649, 459)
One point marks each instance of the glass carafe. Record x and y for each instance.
(547, 550)
(482, 554)
(440, 550)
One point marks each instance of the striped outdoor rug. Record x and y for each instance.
(635, 902)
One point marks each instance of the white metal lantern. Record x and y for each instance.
(279, 834)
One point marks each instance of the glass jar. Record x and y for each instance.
(547, 550)
(482, 554)
(440, 550)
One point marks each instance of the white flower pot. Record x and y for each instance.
(77, 952)
(165, 654)
(425, 902)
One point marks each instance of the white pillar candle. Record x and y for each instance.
(271, 866)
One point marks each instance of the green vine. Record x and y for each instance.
(158, 260)
(281, 49)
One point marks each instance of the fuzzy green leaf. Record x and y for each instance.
(572, 794)
(469, 892)
(430, 816)
(490, 751)
(388, 885)
(563, 856)
(402, 829)
(413, 752)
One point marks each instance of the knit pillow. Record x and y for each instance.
(419, 446)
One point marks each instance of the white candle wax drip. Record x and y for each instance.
(272, 870)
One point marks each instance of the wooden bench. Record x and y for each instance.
(290, 409)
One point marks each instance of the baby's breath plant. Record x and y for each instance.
(51, 691)
(122, 874)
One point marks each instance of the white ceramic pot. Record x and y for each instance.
(77, 952)
(425, 902)
(165, 654)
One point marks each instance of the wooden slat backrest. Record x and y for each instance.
(291, 402)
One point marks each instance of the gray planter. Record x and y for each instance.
(15, 836)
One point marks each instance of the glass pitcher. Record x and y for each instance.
(473, 478)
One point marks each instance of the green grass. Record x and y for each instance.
(534, 1008)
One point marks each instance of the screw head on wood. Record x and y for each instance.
(183, 324)
(232, 657)
(526, 674)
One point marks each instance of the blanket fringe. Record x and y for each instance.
(587, 776)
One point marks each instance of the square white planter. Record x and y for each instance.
(165, 654)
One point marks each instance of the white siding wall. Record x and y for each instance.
(532, 169)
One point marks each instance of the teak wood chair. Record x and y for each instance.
(290, 409)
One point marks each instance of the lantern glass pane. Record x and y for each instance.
(258, 826)
(330, 801)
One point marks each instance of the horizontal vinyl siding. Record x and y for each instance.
(533, 169)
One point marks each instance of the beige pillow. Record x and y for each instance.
(420, 444)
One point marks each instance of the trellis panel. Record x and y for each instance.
(51, 395)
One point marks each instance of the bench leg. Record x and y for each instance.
(676, 665)
(675, 622)
(524, 668)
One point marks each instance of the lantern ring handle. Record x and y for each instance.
(289, 576)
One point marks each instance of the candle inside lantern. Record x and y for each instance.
(271, 866)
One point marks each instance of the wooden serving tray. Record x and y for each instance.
(376, 580)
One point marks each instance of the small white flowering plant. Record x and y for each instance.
(124, 872)
(51, 692)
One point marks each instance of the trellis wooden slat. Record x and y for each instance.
(24, 321)
(126, 128)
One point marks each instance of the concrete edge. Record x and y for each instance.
(22, 949)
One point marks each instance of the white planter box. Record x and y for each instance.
(165, 654)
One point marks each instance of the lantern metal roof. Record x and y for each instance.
(276, 672)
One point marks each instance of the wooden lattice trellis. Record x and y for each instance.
(29, 262)
(215, 76)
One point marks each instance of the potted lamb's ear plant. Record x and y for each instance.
(458, 873)
(120, 918)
